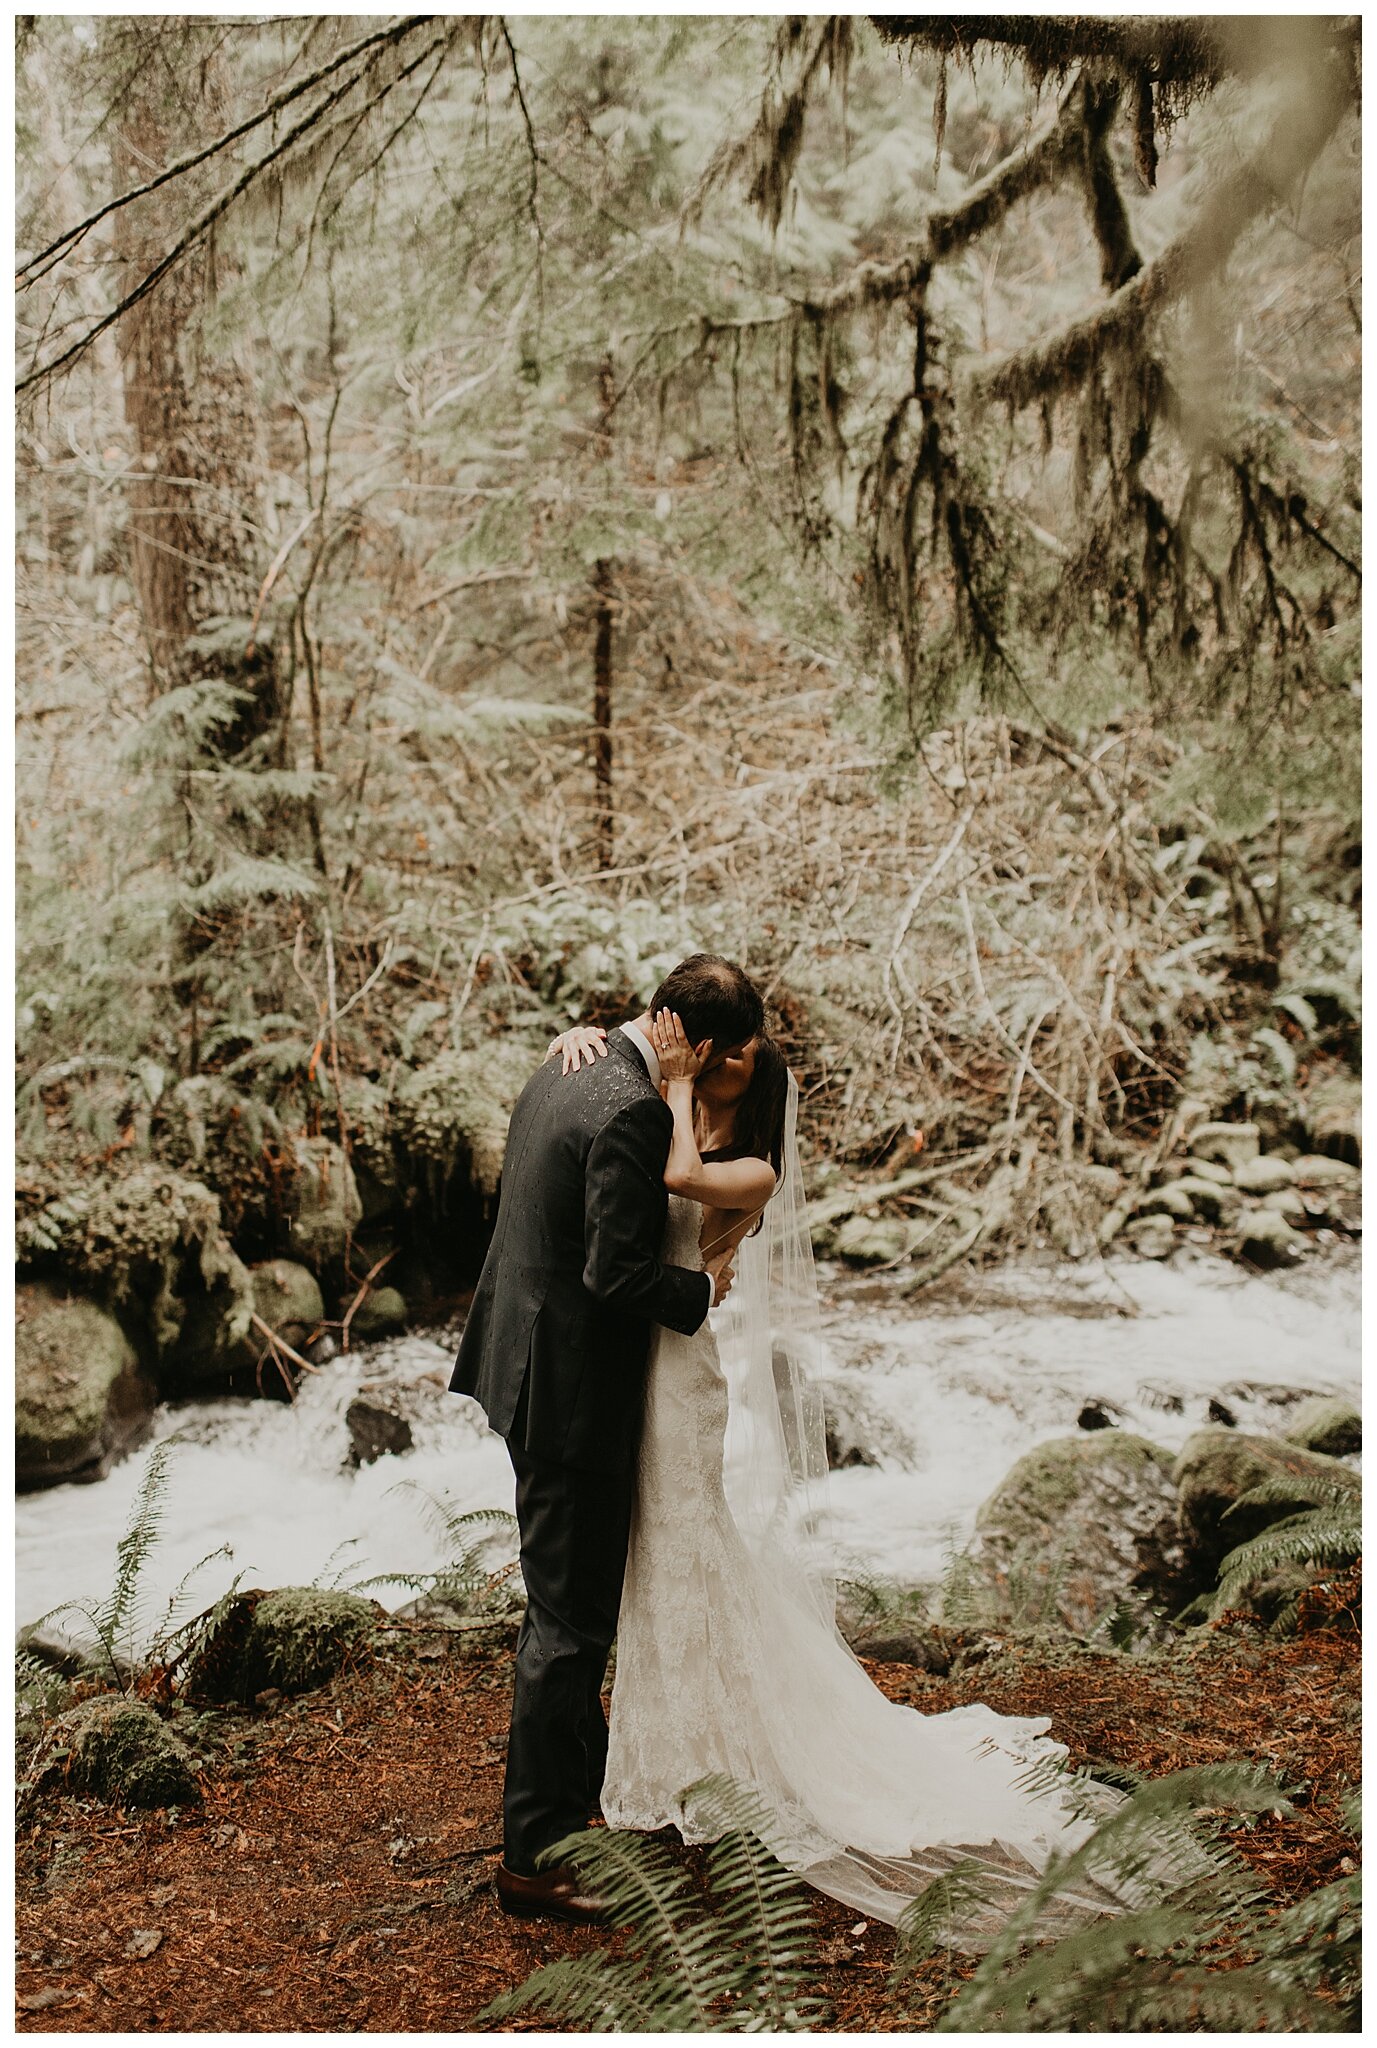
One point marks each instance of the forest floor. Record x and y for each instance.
(338, 1876)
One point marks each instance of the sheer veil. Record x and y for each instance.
(770, 1343)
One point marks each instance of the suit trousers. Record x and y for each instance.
(574, 1532)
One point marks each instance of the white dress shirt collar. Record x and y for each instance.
(646, 1050)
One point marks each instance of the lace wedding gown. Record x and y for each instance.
(722, 1670)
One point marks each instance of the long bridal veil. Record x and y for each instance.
(872, 1801)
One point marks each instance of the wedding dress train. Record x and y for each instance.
(724, 1665)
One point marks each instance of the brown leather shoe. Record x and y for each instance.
(553, 1895)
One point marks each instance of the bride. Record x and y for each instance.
(729, 1661)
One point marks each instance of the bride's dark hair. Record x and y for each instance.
(758, 1126)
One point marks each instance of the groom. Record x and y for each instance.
(554, 1351)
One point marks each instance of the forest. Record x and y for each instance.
(503, 503)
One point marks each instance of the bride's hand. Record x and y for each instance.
(679, 1061)
(582, 1042)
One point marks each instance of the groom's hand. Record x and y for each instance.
(719, 1271)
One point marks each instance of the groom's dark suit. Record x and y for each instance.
(555, 1351)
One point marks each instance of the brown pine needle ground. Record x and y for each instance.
(338, 1876)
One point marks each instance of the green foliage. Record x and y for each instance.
(478, 1577)
(736, 1962)
(1327, 1533)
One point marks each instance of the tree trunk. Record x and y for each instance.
(602, 711)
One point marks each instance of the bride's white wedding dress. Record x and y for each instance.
(724, 1665)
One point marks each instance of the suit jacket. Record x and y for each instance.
(573, 1281)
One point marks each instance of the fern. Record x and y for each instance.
(739, 1968)
(467, 1581)
(1139, 1968)
(1327, 1532)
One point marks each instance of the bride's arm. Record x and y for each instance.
(720, 1183)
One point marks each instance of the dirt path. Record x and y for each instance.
(338, 1876)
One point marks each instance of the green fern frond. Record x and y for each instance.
(1323, 1537)
(740, 1969)
(248, 880)
(1300, 1492)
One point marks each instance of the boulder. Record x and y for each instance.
(856, 1435)
(1264, 1175)
(1328, 1424)
(1215, 1467)
(1215, 1201)
(1333, 1118)
(1312, 1170)
(1079, 1526)
(119, 1750)
(381, 1313)
(1231, 1144)
(873, 1240)
(377, 1427)
(80, 1400)
(1212, 1170)
(326, 1209)
(289, 1641)
(905, 1643)
(288, 1298)
(1171, 1200)
(1152, 1237)
(217, 1342)
(1265, 1238)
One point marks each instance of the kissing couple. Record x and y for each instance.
(670, 1491)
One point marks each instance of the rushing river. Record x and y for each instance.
(955, 1390)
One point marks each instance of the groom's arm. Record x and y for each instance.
(623, 1216)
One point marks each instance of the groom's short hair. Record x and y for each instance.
(714, 999)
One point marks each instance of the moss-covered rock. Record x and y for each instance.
(1172, 1199)
(1265, 1238)
(381, 1313)
(1213, 1200)
(119, 1750)
(1327, 1424)
(80, 1399)
(287, 1297)
(325, 1205)
(291, 1641)
(1264, 1175)
(1333, 1114)
(1217, 1466)
(1079, 1526)
(1231, 1144)
(216, 1335)
(229, 1141)
(454, 1111)
(1152, 1237)
(873, 1240)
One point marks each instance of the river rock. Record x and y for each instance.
(217, 1341)
(289, 1641)
(377, 1427)
(326, 1209)
(381, 1313)
(1215, 1468)
(1264, 1175)
(1231, 1144)
(117, 1749)
(80, 1400)
(1211, 1170)
(873, 1240)
(1333, 1118)
(1313, 1170)
(1328, 1424)
(1216, 1201)
(1172, 1199)
(856, 1434)
(1078, 1526)
(1288, 1202)
(1152, 1237)
(1265, 1238)
(288, 1298)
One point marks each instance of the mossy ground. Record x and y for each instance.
(339, 1874)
